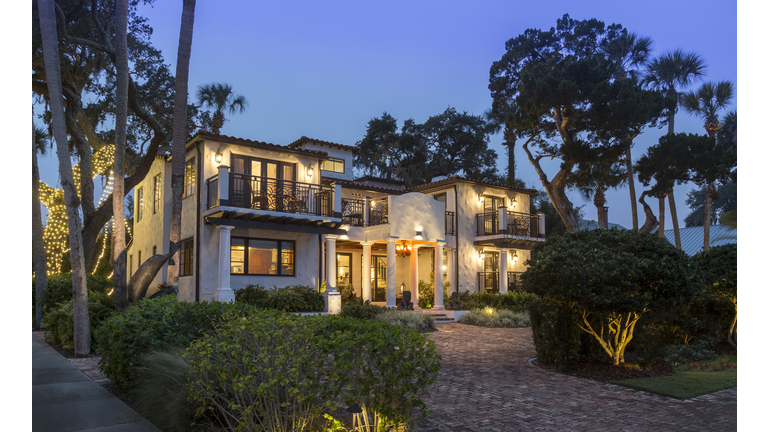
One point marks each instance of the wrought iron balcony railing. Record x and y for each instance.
(518, 224)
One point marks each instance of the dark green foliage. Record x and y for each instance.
(555, 333)
(59, 321)
(610, 271)
(717, 268)
(422, 323)
(553, 223)
(297, 298)
(60, 288)
(516, 302)
(347, 292)
(150, 325)
(361, 310)
(726, 204)
(283, 370)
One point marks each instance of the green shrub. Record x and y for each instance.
(59, 321)
(612, 277)
(60, 289)
(411, 320)
(555, 334)
(677, 355)
(151, 325)
(298, 298)
(274, 371)
(160, 389)
(427, 292)
(717, 268)
(347, 292)
(517, 302)
(361, 310)
(495, 318)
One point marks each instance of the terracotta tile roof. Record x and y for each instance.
(356, 185)
(378, 179)
(305, 139)
(259, 144)
(531, 192)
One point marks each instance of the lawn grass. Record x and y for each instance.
(685, 384)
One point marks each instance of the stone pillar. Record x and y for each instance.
(439, 276)
(542, 230)
(332, 295)
(502, 219)
(391, 273)
(223, 185)
(224, 293)
(503, 261)
(415, 276)
(366, 277)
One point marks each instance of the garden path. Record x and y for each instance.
(487, 384)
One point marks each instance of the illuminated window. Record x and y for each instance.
(333, 165)
(185, 256)
(156, 196)
(140, 203)
(189, 178)
(262, 257)
(344, 267)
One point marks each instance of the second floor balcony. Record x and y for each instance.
(372, 212)
(504, 228)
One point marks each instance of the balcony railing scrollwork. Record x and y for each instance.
(518, 224)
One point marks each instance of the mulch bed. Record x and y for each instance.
(599, 368)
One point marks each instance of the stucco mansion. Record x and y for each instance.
(279, 215)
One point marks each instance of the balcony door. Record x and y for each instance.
(379, 278)
(261, 183)
(491, 205)
(490, 277)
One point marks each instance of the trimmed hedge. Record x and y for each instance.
(59, 321)
(516, 302)
(555, 334)
(60, 289)
(297, 298)
(496, 318)
(274, 371)
(154, 324)
(361, 310)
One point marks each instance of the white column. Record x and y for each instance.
(415, 276)
(332, 295)
(336, 198)
(502, 219)
(224, 293)
(542, 231)
(449, 269)
(439, 276)
(366, 211)
(391, 273)
(366, 278)
(503, 271)
(223, 185)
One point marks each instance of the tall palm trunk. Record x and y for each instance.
(671, 195)
(599, 201)
(509, 140)
(179, 134)
(631, 183)
(38, 247)
(121, 124)
(661, 215)
(82, 325)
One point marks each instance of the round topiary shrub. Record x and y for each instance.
(717, 268)
(611, 277)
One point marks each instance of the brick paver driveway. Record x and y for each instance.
(486, 384)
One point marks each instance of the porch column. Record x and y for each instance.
(503, 271)
(332, 295)
(391, 273)
(366, 277)
(502, 219)
(223, 186)
(224, 293)
(415, 276)
(449, 269)
(439, 276)
(542, 231)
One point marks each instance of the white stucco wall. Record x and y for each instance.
(336, 153)
(413, 212)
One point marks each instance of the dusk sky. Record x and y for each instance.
(324, 69)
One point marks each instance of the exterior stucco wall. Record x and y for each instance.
(413, 212)
(335, 153)
(188, 214)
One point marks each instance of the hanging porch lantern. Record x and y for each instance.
(403, 249)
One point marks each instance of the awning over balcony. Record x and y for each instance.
(274, 222)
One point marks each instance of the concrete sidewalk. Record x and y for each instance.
(64, 399)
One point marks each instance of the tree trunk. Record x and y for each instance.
(673, 215)
(509, 139)
(178, 152)
(599, 201)
(631, 183)
(650, 219)
(38, 247)
(708, 213)
(661, 215)
(556, 190)
(82, 325)
(121, 124)
(732, 330)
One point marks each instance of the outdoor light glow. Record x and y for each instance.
(514, 202)
(480, 198)
(373, 203)
(488, 310)
(445, 268)
(310, 171)
(481, 255)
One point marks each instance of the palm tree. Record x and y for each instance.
(628, 53)
(179, 134)
(220, 97)
(121, 125)
(705, 103)
(593, 180)
(669, 73)
(38, 247)
(48, 31)
(497, 121)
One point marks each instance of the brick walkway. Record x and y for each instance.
(486, 384)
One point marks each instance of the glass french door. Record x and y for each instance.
(491, 271)
(379, 278)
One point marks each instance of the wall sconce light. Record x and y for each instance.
(418, 234)
(218, 157)
(481, 255)
(445, 268)
(480, 198)
(373, 203)
(513, 202)
(310, 171)
(514, 257)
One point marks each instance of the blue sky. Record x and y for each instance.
(323, 69)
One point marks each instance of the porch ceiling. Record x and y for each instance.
(276, 223)
(507, 242)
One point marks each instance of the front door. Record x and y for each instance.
(379, 278)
